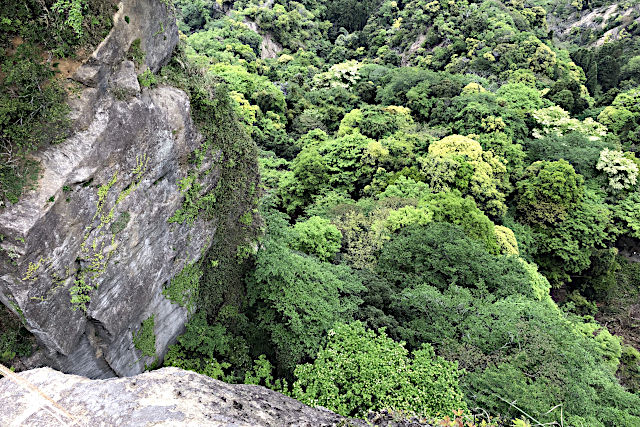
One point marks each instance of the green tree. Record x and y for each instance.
(452, 208)
(316, 236)
(440, 254)
(459, 162)
(548, 191)
(360, 370)
(296, 298)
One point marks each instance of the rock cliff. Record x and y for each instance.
(168, 396)
(86, 255)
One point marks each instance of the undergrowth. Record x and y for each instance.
(15, 340)
(215, 284)
(236, 191)
(33, 35)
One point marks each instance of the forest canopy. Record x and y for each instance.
(449, 200)
(446, 186)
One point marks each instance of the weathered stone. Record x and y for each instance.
(98, 217)
(135, 153)
(150, 21)
(88, 75)
(125, 80)
(168, 396)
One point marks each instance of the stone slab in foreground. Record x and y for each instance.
(167, 396)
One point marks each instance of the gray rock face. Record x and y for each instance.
(168, 396)
(96, 227)
(150, 21)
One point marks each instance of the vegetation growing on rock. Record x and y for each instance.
(448, 200)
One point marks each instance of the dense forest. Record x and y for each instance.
(449, 206)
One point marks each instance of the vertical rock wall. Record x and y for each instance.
(85, 256)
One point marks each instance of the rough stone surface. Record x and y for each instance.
(101, 209)
(269, 48)
(125, 80)
(150, 21)
(168, 396)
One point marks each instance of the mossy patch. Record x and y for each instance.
(145, 339)
(183, 288)
(233, 201)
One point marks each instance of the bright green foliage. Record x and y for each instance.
(548, 191)
(309, 175)
(622, 117)
(451, 208)
(617, 120)
(227, 40)
(346, 164)
(506, 240)
(256, 89)
(297, 298)
(376, 122)
(511, 154)
(145, 338)
(405, 188)
(627, 214)
(458, 162)
(147, 79)
(183, 288)
(364, 233)
(294, 26)
(407, 216)
(621, 168)
(262, 373)
(520, 97)
(360, 370)
(316, 236)
(477, 111)
(73, 11)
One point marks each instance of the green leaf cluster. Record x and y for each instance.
(360, 370)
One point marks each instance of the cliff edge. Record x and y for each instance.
(87, 254)
(168, 396)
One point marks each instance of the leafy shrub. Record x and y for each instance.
(209, 349)
(297, 298)
(548, 191)
(360, 370)
(33, 114)
(316, 236)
